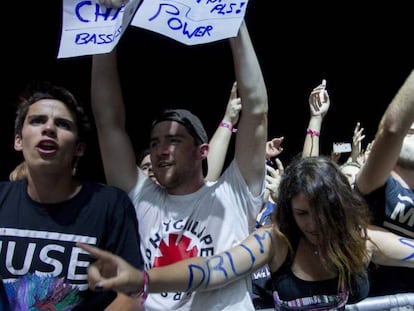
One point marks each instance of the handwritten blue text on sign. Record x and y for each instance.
(90, 28)
(192, 22)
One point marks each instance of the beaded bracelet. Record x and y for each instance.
(229, 126)
(312, 132)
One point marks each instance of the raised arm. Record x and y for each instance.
(197, 273)
(219, 143)
(252, 129)
(109, 113)
(274, 168)
(318, 105)
(392, 129)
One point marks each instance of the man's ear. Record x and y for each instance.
(204, 148)
(80, 149)
(18, 143)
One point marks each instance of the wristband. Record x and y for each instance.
(229, 126)
(312, 132)
(143, 292)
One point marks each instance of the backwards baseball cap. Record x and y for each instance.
(191, 122)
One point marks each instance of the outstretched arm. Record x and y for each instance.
(219, 143)
(109, 113)
(390, 249)
(318, 105)
(252, 129)
(198, 273)
(393, 128)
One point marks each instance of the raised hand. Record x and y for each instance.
(234, 106)
(319, 101)
(273, 178)
(273, 147)
(357, 142)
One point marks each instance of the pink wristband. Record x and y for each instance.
(312, 132)
(143, 292)
(229, 126)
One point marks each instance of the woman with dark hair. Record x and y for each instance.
(318, 248)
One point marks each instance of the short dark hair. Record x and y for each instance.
(38, 90)
(142, 154)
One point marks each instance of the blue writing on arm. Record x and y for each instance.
(217, 263)
(193, 269)
(410, 243)
(260, 238)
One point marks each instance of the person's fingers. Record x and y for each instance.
(106, 258)
(94, 277)
(357, 128)
(276, 142)
(268, 183)
(360, 131)
(280, 167)
(94, 251)
(236, 104)
(111, 283)
(233, 92)
(313, 102)
(321, 98)
(113, 4)
(271, 171)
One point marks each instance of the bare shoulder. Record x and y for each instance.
(279, 249)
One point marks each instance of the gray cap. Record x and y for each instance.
(191, 122)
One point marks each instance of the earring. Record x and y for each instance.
(75, 166)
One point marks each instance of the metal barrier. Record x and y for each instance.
(391, 302)
(400, 302)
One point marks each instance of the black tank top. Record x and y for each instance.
(292, 293)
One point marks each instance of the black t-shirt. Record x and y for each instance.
(293, 293)
(392, 207)
(39, 261)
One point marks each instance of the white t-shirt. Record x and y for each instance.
(213, 219)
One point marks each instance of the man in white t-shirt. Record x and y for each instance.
(185, 216)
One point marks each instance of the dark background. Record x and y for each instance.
(363, 50)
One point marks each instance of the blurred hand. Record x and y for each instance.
(335, 156)
(273, 178)
(111, 272)
(113, 3)
(273, 147)
(357, 142)
(234, 106)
